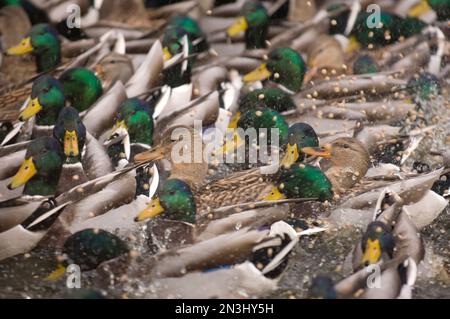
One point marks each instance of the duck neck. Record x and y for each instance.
(255, 38)
(48, 116)
(49, 57)
(175, 77)
(40, 185)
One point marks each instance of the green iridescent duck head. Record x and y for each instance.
(263, 120)
(442, 8)
(180, 25)
(392, 28)
(424, 87)
(175, 200)
(284, 66)
(322, 287)
(70, 131)
(376, 241)
(41, 167)
(135, 116)
(274, 98)
(255, 22)
(300, 135)
(43, 42)
(47, 100)
(365, 64)
(301, 181)
(88, 248)
(82, 88)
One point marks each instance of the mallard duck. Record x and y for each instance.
(14, 24)
(134, 127)
(390, 242)
(254, 22)
(349, 162)
(43, 42)
(88, 248)
(70, 131)
(284, 67)
(41, 168)
(393, 284)
(177, 201)
(393, 28)
(77, 86)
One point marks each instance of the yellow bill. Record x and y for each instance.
(71, 144)
(240, 25)
(166, 54)
(33, 108)
(275, 194)
(234, 120)
(291, 156)
(23, 47)
(152, 210)
(56, 274)
(352, 45)
(372, 253)
(259, 74)
(317, 151)
(26, 171)
(419, 9)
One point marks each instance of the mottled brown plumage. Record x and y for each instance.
(348, 163)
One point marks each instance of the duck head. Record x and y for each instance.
(301, 181)
(134, 124)
(347, 161)
(262, 120)
(254, 22)
(135, 116)
(376, 242)
(41, 167)
(88, 248)
(273, 98)
(42, 41)
(181, 25)
(175, 200)
(424, 87)
(70, 131)
(300, 135)
(284, 66)
(322, 287)
(82, 88)
(365, 64)
(46, 101)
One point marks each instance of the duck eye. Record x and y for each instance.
(46, 90)
(172, 193)
(346, 146)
